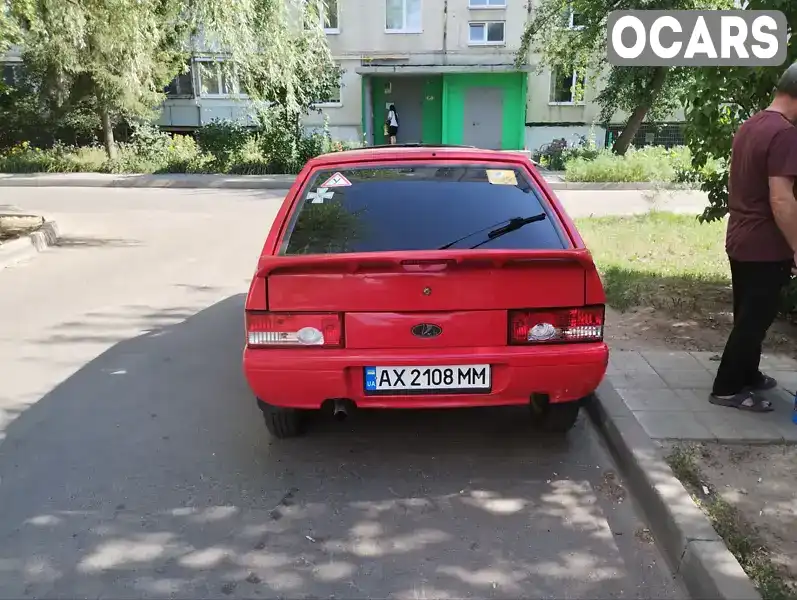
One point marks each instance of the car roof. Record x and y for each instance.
(416, 152)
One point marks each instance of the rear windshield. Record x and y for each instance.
(420, 207)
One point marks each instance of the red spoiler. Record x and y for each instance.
(351, 263)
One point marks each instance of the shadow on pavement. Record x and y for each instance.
(148, 473)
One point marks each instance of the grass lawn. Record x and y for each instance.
(661, 260)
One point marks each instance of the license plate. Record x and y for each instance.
(459, 378)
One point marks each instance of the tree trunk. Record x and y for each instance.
(633, 124)
(107, 133)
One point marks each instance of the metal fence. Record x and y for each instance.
(650, 134)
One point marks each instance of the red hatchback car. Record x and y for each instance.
(423, 277)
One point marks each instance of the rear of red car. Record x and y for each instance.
(423, 279)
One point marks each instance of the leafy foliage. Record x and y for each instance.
(153, 151)
(222, 139)
(650, 164)
(719, 100)
(9, 28)
(115, 53)
(555, 155)
(288, 145)
(28, 116)
(119, 54)
(643, 92)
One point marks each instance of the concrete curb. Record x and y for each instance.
(689, 542)
(30, 245)
(242, 182)
(177, 180)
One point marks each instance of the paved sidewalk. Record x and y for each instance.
(668, 394)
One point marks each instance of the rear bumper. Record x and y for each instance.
(307, 377)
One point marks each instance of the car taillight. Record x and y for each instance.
(269, 330)
(556, 326)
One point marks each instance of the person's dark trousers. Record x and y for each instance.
(756, 296)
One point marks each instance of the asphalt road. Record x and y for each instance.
(134, 463)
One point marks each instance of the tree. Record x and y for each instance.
(122, 53)
(9, 31)
(29, 116)
(719, 100)
(114, 52)
(571, 34)
(320, 79)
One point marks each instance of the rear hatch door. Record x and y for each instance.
(397, 246)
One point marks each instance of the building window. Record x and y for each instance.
(486, 32)
(333, 98)
(215, 80)
(487, 4)
(330, 17)
(574, 20)
(332, 101)
(327, 13)
(403, 16)
(182, 86)
(564, 85)
(11, 74)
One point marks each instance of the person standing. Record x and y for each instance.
(392, 123)
(761, 242)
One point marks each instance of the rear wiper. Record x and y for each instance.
(472, 233)
(513, 225)
(507, 224)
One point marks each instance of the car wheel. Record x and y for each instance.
(282, 422)
(555, 418)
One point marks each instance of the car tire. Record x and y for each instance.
(282, 423)
(556, 418)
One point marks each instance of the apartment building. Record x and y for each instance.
(447, 65)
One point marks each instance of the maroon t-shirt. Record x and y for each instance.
(765, 146)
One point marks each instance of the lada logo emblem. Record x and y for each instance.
(426, 330)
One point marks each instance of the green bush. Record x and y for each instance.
(250, 160)
(551, 156)
(554, 156)
(182, 155)
(648, 164)
(280, 143)
(24, 158)
(220, 149)
(151, 150)
(289, 147)
(222, 140)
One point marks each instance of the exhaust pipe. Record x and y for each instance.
(339, 410)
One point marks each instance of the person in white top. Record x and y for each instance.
(392, 123)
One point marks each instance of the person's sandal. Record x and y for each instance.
(765, 384)
(743, 401)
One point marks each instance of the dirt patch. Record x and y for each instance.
(748, 493)
(611, 487)
(651, 329)
(759, 482)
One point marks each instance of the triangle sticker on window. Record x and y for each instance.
(337, 180)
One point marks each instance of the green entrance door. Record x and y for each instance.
(419, 102)
(487, 110)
